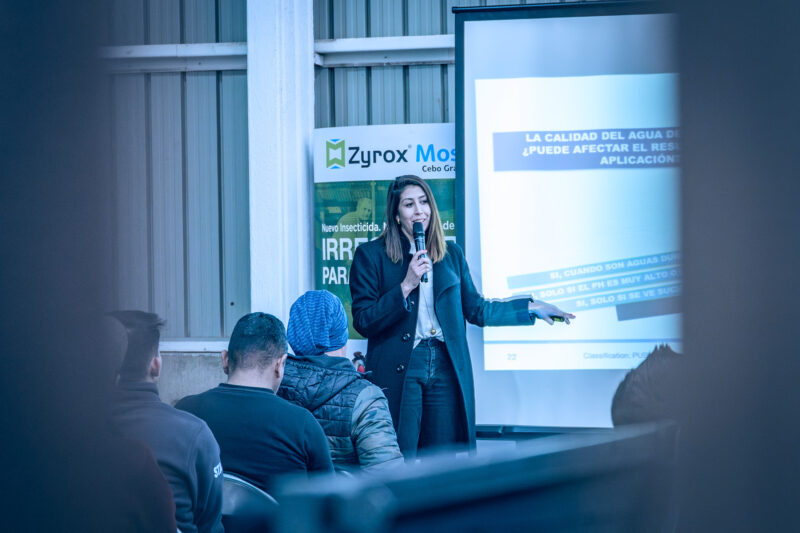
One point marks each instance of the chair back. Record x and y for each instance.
(246, 507)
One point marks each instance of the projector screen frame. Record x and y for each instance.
(491, 13)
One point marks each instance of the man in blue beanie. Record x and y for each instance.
(353, 413)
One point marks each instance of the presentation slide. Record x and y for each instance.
(570, 165)
(578, 199)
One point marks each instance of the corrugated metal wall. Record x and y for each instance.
(181, 159)
(180, 149)
(386, 95)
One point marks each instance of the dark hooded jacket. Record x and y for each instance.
(185, 450)
(353, 413)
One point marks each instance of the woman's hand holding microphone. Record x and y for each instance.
(418, 267)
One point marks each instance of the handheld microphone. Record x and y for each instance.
(419, 242)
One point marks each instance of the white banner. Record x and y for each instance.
(353, 169)
(359, 153)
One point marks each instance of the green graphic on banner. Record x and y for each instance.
(350, 213)
(334, 153)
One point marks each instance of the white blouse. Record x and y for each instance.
(427, 323)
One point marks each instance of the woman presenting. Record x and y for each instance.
(417, 345)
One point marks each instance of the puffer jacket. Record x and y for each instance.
(353, 413)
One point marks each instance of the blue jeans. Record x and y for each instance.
(431, 409)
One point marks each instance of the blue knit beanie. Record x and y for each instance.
(317, 324)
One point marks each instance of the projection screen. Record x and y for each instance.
(568, 148)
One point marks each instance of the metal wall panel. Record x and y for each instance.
(127, 22)
(350, 92)
(235, 198)
(450, 103)
(425, 89)
(323, 25)
(163, 22)
(323, 96)
(450, 26)
(181, 169)
(350, 97)
(387, 95)
(131, 198)
(166, 171)
(451, 19)
(387, 88)
(199, 21)
(393, 95)
(425, 93)
(424, 17)
(349, 18)
(201, 193)
(232, 21)
(386, 18)
(450, 114)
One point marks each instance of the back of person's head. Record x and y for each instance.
(317, 324)
(143, 332)
(258, 339)
(648, 392)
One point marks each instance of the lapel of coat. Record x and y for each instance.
(444, 277)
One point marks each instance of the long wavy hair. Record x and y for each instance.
(393, 234)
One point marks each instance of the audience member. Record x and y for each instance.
(132, 483)
(181, 443)
(647, 392)
(260, 435)
(352, 411)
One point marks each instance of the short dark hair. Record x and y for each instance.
(257, 340)
(144, 332)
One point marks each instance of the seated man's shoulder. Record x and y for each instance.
(291, 409)
(183, 427)
(358, 389)
(187, 403)
(294, 414)
(295, 367)
(268, 405)
(369, 396)
(307, 373)
(191, 422)
(158, 414)
(372, 389)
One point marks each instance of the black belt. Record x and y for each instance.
(432, 341)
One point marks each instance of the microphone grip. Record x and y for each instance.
(419, 242)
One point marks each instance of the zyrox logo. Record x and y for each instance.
(336, 153)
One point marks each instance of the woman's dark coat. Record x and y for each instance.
(389, 324)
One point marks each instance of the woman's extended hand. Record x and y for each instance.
(548, 312)
(418, 267)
